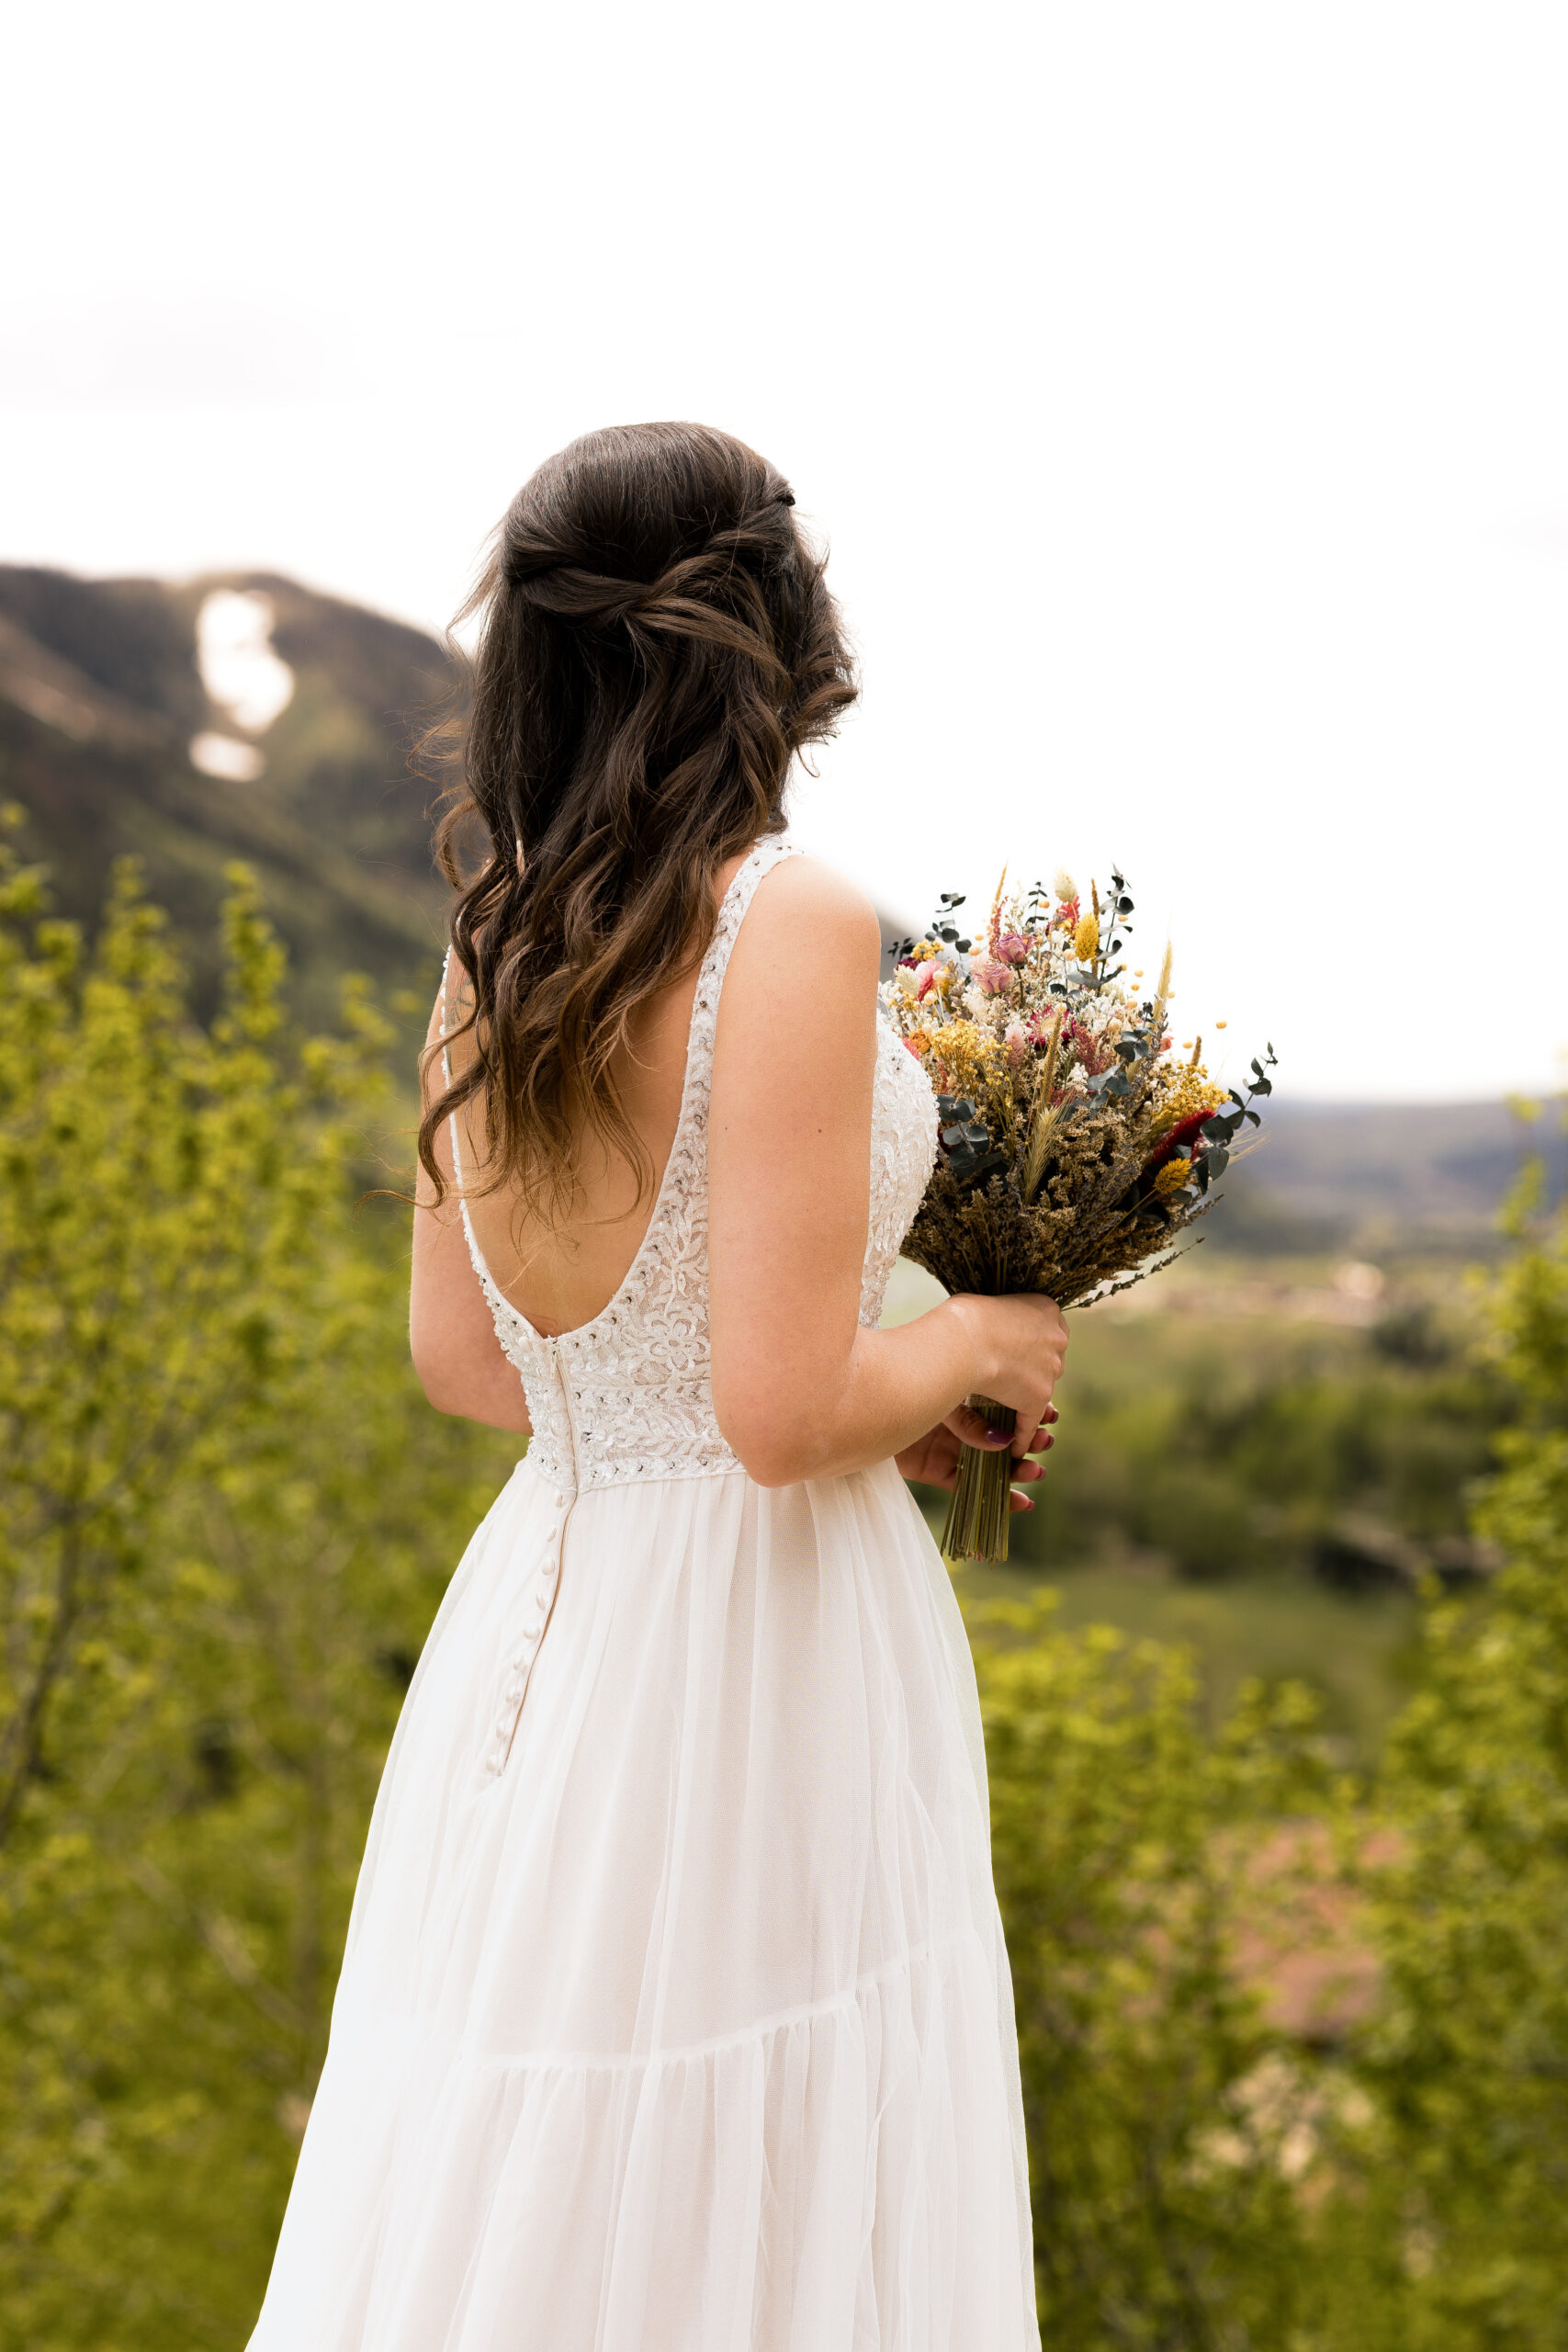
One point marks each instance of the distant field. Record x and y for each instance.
(1360, 1656)
(1265, 1459)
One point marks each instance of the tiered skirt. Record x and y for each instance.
(676, 2015)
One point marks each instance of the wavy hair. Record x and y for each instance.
(657, 643)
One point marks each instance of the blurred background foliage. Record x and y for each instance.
(1275, 1684)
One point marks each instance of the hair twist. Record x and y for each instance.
(657, 644)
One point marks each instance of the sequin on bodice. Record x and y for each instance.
(628, 1395)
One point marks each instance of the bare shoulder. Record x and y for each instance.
(799, 998)
(805, 911)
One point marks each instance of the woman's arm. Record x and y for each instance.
(800, 1391)
(451, 1333)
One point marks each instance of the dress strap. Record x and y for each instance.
(770, 852)
(446, 1074)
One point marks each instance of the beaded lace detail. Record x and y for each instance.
(903, 1147)
(627, 1396)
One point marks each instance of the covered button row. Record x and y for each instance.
(517, 1683)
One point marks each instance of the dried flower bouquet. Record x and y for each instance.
(1074, 1148)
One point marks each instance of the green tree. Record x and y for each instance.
(226, 1515)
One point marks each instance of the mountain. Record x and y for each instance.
(102, 696)
(101, 699)
(1380, 1179)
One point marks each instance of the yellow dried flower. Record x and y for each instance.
(1086, 939)
(968, 1053)
(1172, 1176)
(1191, 1090)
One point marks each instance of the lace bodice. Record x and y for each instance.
(627, 1396)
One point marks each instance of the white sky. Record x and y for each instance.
(1183, 389)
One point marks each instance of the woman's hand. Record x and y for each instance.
(933, 1460)
(1019, 1344)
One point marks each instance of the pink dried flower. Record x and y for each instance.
(992, 977)
(1094, 1054)
(1016, 1038)
(1012, 948)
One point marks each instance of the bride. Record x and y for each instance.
(676, 2015)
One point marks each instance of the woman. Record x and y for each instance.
(675, 2014)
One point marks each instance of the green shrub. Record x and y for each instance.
(1162, 2109)
(1459, 2182)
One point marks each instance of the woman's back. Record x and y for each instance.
(560, 1274)
(623, 1386)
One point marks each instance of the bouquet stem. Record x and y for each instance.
(977, 1515)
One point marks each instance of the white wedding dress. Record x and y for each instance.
(676, 2015)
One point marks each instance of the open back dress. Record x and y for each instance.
(675, 2013)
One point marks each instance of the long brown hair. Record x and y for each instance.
(657, 642)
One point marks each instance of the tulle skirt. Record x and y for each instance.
(686, 2028)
